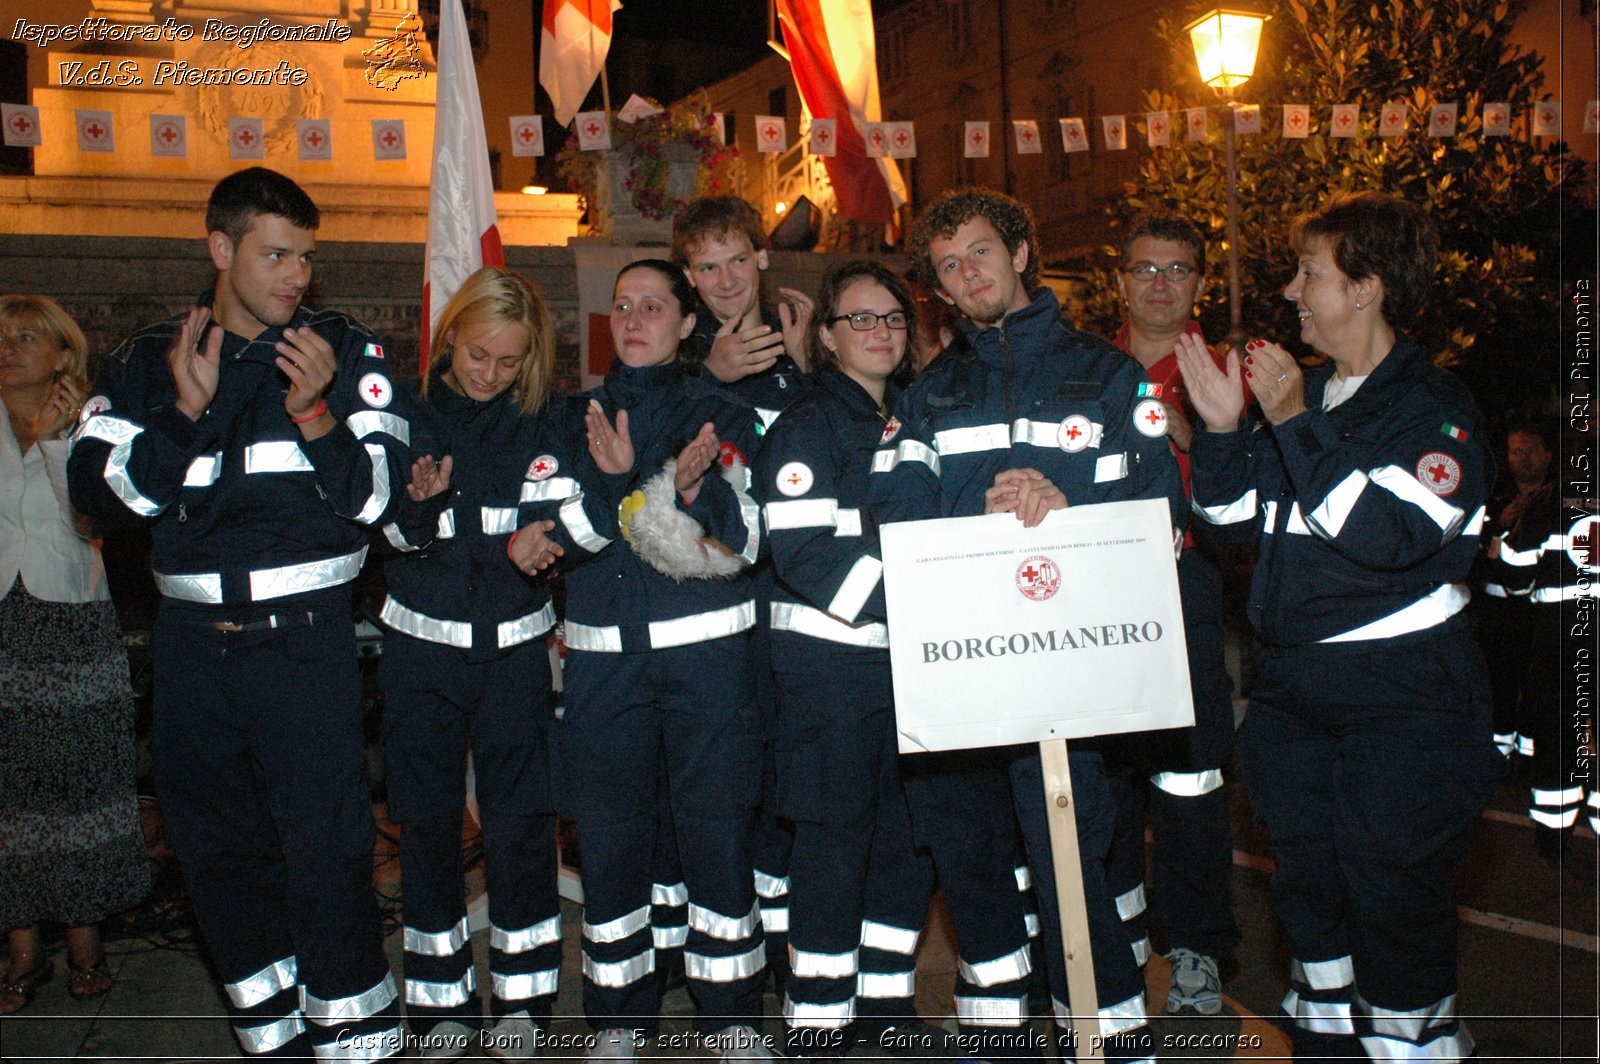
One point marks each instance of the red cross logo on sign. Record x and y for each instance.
(1493, 118)
(388, 138)
(525, 133)
(1392, 118)
(769, 132)
(1027, 135)
(1150, 418)
(593, 129)
(543, 467)
(1038, 578)
(21, 123)
(1297, 119)
(94, 130)
(375, 390)
(1439, 473)
(1159, 127)
(877, 138)
(977, 137)
(1344, 120)
(823, 136)
(314, 139)
(246, 137)
(1074, 132)
(168, 133)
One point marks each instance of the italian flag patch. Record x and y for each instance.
(1149, 391)
(373, 351)
(1455, 432)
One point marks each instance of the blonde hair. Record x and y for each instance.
(45, 315)
(498, 295)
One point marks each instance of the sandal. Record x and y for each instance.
(17, 994)
(89, 982)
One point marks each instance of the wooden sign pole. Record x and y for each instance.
(1063, 822)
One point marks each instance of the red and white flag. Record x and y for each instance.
(1497, 119)
(1158, 128)
(975, 140)
(1073, 136)
(21, 123)
(1296, 120)
(246, 139)
(1246, 118)
(833, 55)
(902, 140)
(594, 131)
(823, 140)
(95, 131)
(389, 138)
(1346, 120)
(877, 140)
(1115, 130)
(1442, 120)
(463, 232)
(1547, 119)
(1026, 133)
(315, 138)
(1392, 120)
(573, 44)
(527, 136)
(1197, 120)
(169, 136)
(772, 133)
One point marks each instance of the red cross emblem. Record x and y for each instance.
(823, 136)
(1439, 473)
(1159, 128)
(1027, 134)
(1075, 433)
(794, 478)
(1392, 118)
(1296, 119)
(977, 137)
(1344, 119)
(1441, 119)
(543, 467)
(375, 389)
(1038, 578)
(1546, 114)
(1197, 123)
(95, 130)
(314, 139)
(388, 138)
(525, 134)
(1073, 132)
(890, 428)
(769, 131)
(168, 134)
(1150, 418)
(900, 137)
(1493, 118)
(877, 138)
(20, 123)
(246, 137)
(593, 128)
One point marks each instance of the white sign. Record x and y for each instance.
(1000, 634)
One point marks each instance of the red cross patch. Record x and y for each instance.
(375, 390)
(1076, 432)
(97, 404)
(543, 467)
(1439, 473)
(794, 479)
(891, 428)
(1038, 578)
(1150, 418)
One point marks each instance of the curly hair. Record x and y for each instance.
(827, 307)
(1375, 235)
(1010, 218)
(714, 216)
(496, 295)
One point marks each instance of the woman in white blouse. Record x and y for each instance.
(71, 847)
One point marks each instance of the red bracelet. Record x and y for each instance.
(511, 541)
(322, 408)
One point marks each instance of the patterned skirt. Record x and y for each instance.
(71, 845)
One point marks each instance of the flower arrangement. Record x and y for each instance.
(643, 145)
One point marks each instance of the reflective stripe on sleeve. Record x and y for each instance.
(787, 514)
(579, 527)
(1036, 433)
(548, 490)
(276, 456)
(1436, 607)
(1131, 903)
(378, 501)
(120, 433)
(1405, 487)
(906, 451)
(497, 520)
(750, 514)
(857, 588)
(974, 438)
(699, 627)
(807, 620)
(1230, 513)
(203, 471)
(1023, 876)
(1188, 784)
(365, 422)
(1330, 515)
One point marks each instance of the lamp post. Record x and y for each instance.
(1225, 41)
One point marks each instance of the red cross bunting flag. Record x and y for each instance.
(1346, 120)
(902, 140)
(1073, 136)
(1246, 118)
(574, 39)
(21, 123)
(527, 136)
(1026, 132)
(1197, 121)
(823, 138)
(95, 131)
(1591, 117)
(1497, 119)
(975, 140)
(169, 136)
(877, 140)
(1158, 128)
(1296, 120)
(718, 121)
(315, 139)
(1392, 120)
(246, 139)
(1115, 130)
(1547, 119)
(772, 133)
(388, 138)
(1442, 120)
(594, 131)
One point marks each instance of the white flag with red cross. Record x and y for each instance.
(594, 130)
(1073, 136)
(388, 138)
(1115, 130)
(95, 131)
(527, 136)
(823, 137)
(1026, 131)
(1346, 120)
(1497, 119)
(1197, 121)
(1392, 120)
(1547, 119)
(1247, 118)
(876, 138)
(246, 139)
(21, 123)
(975, 140)
(1296, 120)
(772, 133)
(315, 139)
(1442, 120)
(169, 136)
(902, 140)
(1158, 128)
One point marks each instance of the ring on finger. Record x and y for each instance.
(1282, 377)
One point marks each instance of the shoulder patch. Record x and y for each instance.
(1150, 418)
(891, 429)
(543, 467)
(1076, 433)
(95, 404)
(373, 351)
(1149, 390)
(1439, 473)
(375, 390)
(795, 479)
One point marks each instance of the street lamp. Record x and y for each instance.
(1225, 41)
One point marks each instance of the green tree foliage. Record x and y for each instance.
(1497, 200)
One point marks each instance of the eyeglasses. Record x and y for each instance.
(866, 320)
(1175, 271)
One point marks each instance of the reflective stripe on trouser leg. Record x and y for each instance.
(266, 1010)
(1434, 1032)
(669, 894)
(439, 980)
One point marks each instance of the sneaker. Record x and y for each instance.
(740, 1042)
(1195, 984)
(513, 1038)
(614, 1044)
(447, 1040)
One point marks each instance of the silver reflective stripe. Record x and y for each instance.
(1006, 968)
(857, 587)
(1131, 904)
(827, 1017)
(366, 422)
(1475, 523)
(306, 576)
(276, 456)
(700, 627)
(579, 527)
(521, 630)
(1566, 796)
(436, 943)
(1570, 593)
(1111, 467)
(1062, 1013)
(906, 451)
(619, 973)
(620, 928)
(1450, 1047)
(775, 921)
(442, 995)
(1023, 876)
(1031, 922)
(203, 471)
(1123, 1016)
(1295, 523)
(724, 969)
(1407, 488)
(1325, 1017)
(1554, 820)
(1141, 951)
(881, 985)
(270, 1036)
(379, 499)
(1188, 784)
(368, 1045)
(447, 524)
(975, 438)
(889, 938)
(1438, 606)
(1038, 433)
(1505, 742)
(525, 985)
(1525, 745)
(1411, 1024)
(672, 937)
(252, 990)
(808, 965)
(120, 433)
(769, 886)
(396, 538)
(548, 490)
(726, 928)
(807, 620)
(542, 933)
(1329, 517)
(1520, 558)
(990, 1012)
(1495, 591)
(603, 638)
(328, 1011)
(1323, 975)
(421, 626)
(676, 894)
(497, 520)
(801, 513)
(847, 522)
(750, 514)
(190, 587)
(1230, 513)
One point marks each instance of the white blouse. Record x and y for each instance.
(37, 538)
